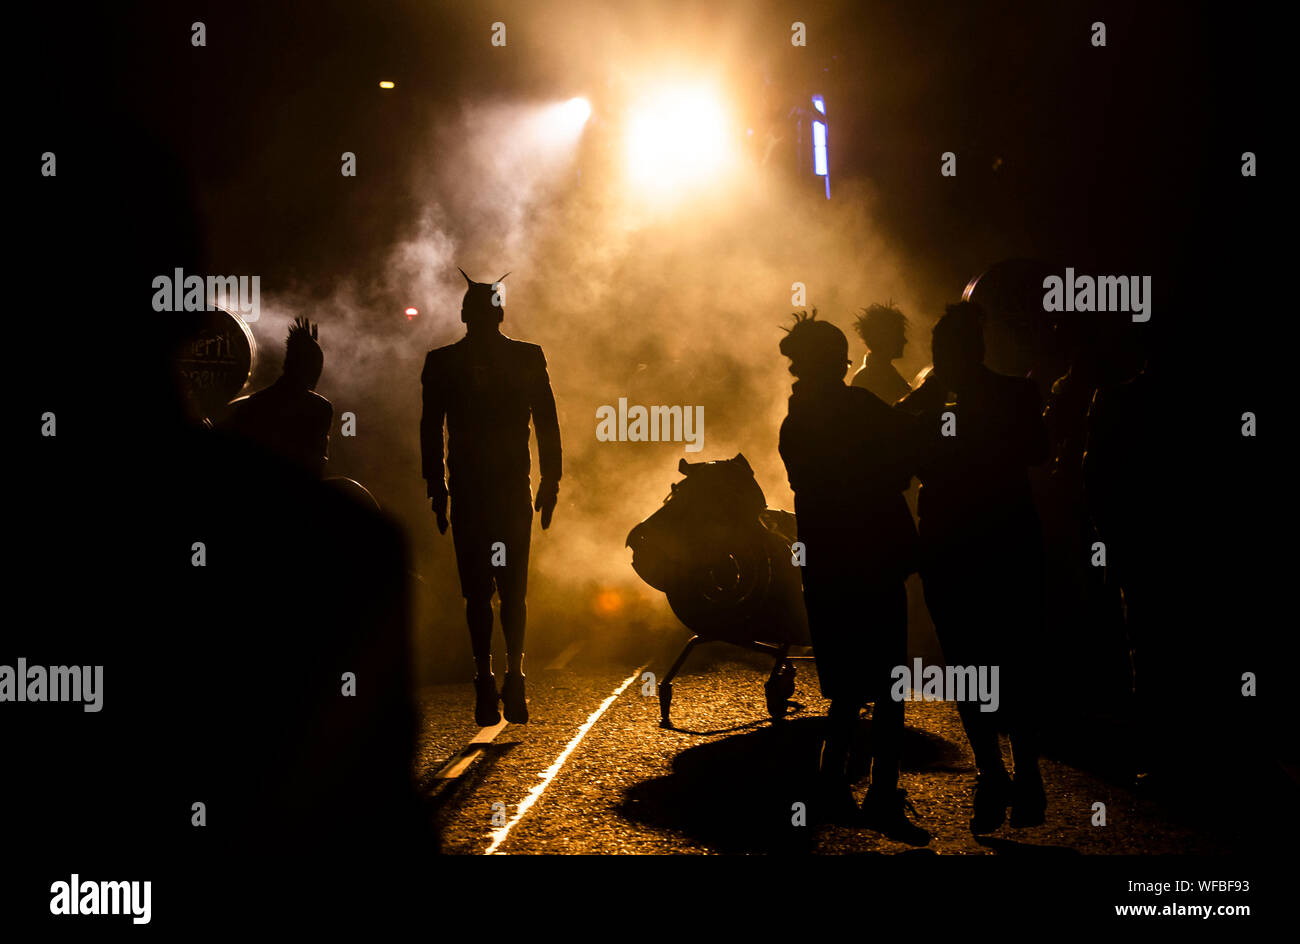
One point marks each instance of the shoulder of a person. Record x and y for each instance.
(1023, 393)
(529, 355)
(447, 350)
(440, 357)
(864, 399)
(1025, 387)
(525, 348)
(1013, 386)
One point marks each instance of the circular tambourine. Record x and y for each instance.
(1018, 332)
(215, 360)
(352, 490)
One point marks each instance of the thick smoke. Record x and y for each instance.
(662, 303)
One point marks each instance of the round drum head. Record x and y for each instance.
(215, 360)
(1017, 332)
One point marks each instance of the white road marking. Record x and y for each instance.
(563, 658)
(499, 835)
(488, 735)
(461, 760)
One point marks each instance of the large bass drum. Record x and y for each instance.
(214, 361)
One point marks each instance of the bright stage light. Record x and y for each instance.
(577, 110)
(819, 148)
(677, 138)
(565, 121)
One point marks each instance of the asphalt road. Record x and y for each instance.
(593, 773)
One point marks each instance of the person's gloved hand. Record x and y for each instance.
(547, 494)
(438, 501)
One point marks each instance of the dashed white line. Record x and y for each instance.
(499, 835)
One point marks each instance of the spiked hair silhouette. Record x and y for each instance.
(878, 323)
(302, 331)
(815, 346)
(303, 357)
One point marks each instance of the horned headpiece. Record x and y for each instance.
(480, 294)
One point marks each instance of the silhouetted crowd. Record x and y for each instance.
(971, 436)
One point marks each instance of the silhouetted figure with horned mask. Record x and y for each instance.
(849, 457)
(289, 418)
(982, 550)
(485, 387)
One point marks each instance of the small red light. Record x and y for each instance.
(411, 313)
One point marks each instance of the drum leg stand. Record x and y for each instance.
(779, 686)
(666, 686)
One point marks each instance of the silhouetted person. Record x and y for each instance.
(485, 387)
(883, 329)
(289, 418)
(981, 549)
(242, 712)
(848, 457)
(1082, 599)
(1122, 467)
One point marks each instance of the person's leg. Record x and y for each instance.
(478, 614)
(828, 621)
(887, 626)
(512, 586)
(841, 725)
(955, 593)
(1021, 706)
(885, 806)
(473, 561)
(982, 732)
(953, 599)
(1022, 698)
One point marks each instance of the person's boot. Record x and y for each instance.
(1028, 800)
(833, 763)
(835, 803)
(486, 698)
(992, 797)
(886, 811)
(512, 698)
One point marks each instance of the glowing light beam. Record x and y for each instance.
(564, 122)
(678, 138)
